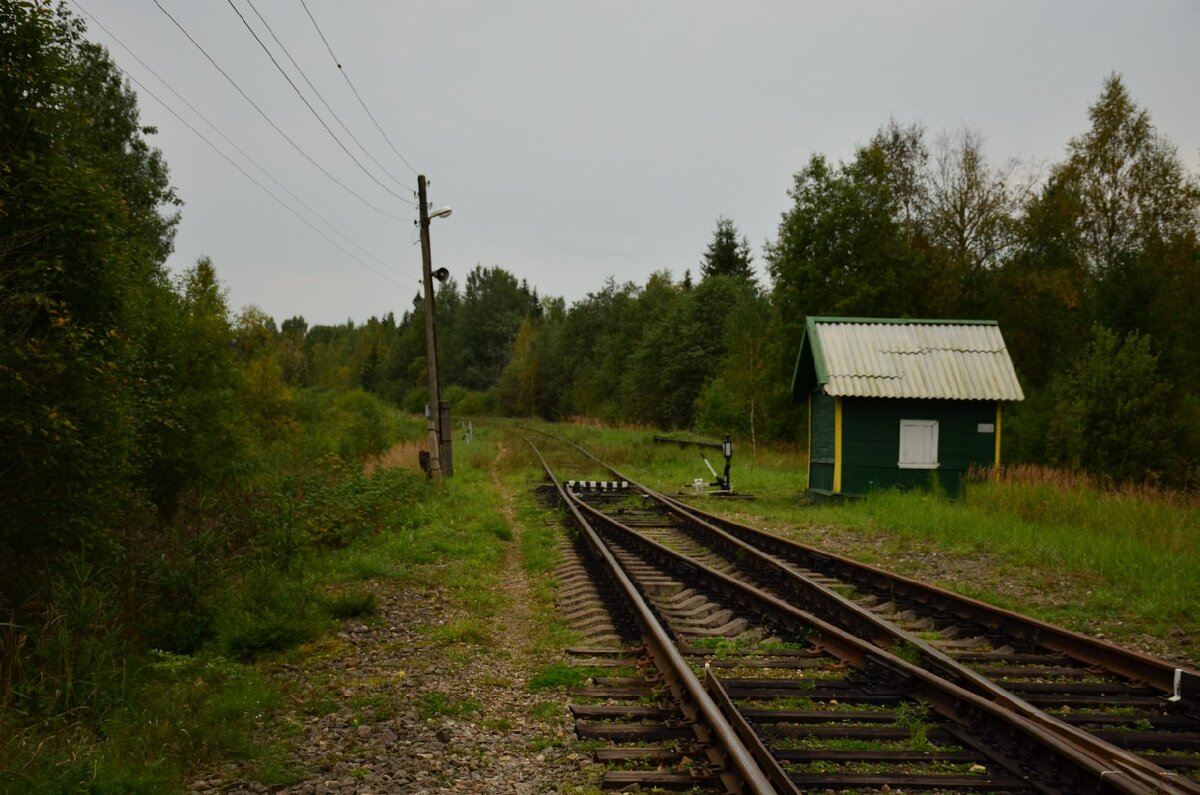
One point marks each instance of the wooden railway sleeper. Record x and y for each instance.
(1080, 767)
(1061, 751)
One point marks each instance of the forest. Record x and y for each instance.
(160, 445)
(1091, 266)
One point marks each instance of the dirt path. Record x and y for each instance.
(382, 707)
(514, 582)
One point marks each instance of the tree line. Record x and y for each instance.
(1090, 264)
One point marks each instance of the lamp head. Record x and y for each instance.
(442, 213)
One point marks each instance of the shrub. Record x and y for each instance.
(476, 404)
(366, 429)
(1112, 412)
(351, 605)
(268, 612)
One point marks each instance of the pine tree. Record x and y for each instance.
(726, 255)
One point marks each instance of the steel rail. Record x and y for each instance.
(845, 612)
(830, 604)
(741, 770)
(885, 635)
(1014, 736)
(1170, 679)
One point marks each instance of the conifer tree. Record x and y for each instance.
(726, 255)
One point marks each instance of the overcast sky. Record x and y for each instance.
(581, 140)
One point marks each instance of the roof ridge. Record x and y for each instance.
(902, 321)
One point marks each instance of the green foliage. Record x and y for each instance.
(271, 610)
(561, 676)
(186, 578)
(234, 570)
(747, 388)
(463, 630)
(368, 431)
(266, 397)
(516, 387)
(436, 704)
(1112, 414)
(1040, 292)
(351, 605)
(345, 424)
(341, 504)
(475, 404)
(914, 716)
(195, 432)
(477, 330)
(726, 255)
(850, 245)
(83, 234)
(1133, 192)
(76, 662)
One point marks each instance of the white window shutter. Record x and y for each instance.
(918, 444)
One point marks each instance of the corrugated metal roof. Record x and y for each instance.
(956, 360)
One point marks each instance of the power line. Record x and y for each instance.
(355, 90)
(261, 186)
(311, 109)
(332, 112)
(227, 139)
(267, 118)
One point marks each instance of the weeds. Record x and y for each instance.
(915, 717)
(907, 651)
(229, 575)
(351, 605)
(462, 630)
(437, 704)
(562, 676)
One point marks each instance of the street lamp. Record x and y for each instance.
(439, 432)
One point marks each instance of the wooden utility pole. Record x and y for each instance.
(434, 420)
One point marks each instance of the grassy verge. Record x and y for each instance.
(1131, 562)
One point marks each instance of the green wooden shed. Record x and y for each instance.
(894, 403)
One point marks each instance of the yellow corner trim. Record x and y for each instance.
(810, 399)
(998, 441)
(837, 446)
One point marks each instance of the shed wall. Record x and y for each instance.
(821, 450)
(871, 441)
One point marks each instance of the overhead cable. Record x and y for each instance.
(332, 112)
(313, 110)
(355, 90)
(263, 187)
(226, 138)
(267, 118)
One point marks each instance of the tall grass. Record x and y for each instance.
(1142, 538)
(1130, 554)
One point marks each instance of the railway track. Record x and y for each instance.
(855, 679)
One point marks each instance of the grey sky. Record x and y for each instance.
(578, 141)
